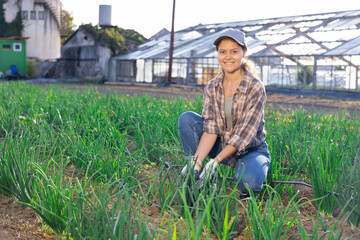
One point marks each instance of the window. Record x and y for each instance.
(33, 15)
(17, 47)
(25, 15)
(41, 15)
(6, 47)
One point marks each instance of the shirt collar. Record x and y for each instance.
(218, 81)
(243, 86)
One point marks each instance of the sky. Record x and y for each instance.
(150, 16)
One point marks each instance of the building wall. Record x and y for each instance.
(84, 62)
(41, 19)
(82, 57)
(80, 39)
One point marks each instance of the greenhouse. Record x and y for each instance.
(318, 51)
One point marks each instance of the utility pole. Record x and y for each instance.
(171, 46)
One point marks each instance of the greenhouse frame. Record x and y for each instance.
(317, 51)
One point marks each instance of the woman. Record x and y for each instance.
(231, 128)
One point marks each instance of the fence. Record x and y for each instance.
(308, 72)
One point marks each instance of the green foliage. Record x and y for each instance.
(115, 38)
(31, 68)
(67, 24)
(265, 223)
(93, 164)
(326, 147)
(12, 29)
(16, 172)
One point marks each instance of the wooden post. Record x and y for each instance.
(171, 46)
(314, 72)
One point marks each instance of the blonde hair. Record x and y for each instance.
(245, 65)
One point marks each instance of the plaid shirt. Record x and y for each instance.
(247, 114)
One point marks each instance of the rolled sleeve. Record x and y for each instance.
(235, 141)
(208, 114)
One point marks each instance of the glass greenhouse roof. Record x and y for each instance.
(325, 34)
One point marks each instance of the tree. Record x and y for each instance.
(13, 28)
(3, 23)
(67, 24)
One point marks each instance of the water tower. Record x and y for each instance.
(105, 16)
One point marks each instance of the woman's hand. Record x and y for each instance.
(193, 164)
(207, 173)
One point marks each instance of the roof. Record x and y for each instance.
(323, 34)
(161, 33)
(76, 32)
(14, 38)
(117, 39)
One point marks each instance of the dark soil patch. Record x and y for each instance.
(18, 222)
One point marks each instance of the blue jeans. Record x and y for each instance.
(251, 168)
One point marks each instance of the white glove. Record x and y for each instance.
(192, 164)
(208, 172)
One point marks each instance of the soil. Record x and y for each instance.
(312, 103)
(18, 222)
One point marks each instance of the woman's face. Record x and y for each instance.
(230, 54)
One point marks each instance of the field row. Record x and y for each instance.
(95, 165)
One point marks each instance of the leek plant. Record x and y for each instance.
(321, 228)
(16, 171)
(108, 212)
(49, 197)
(270, 219)
(214, 206)
(348, 187)
(110, 138)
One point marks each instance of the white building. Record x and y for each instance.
(41, 19)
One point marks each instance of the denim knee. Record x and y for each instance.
(185, 119)
(190, 130)
(252, 169)
(190, 121)
(248, 179)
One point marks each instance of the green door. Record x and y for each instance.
(13, 52)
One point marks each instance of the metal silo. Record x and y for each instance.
(105, 15)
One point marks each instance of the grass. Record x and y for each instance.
(91, 165)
